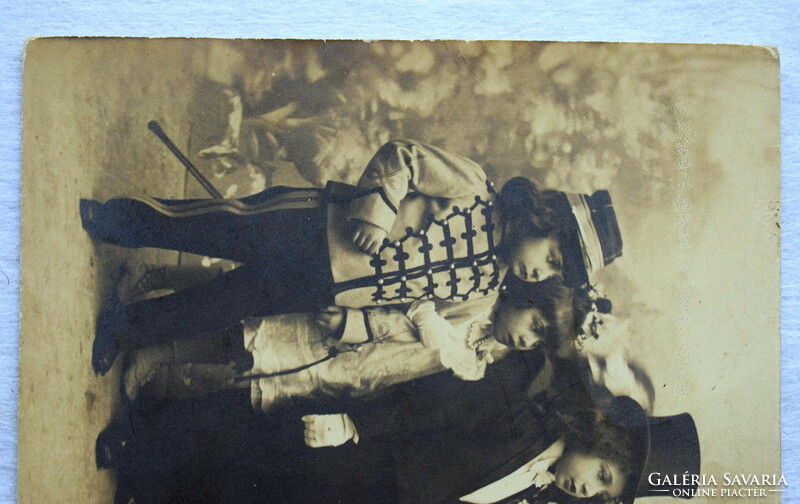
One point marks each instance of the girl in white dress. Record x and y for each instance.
(356, 353)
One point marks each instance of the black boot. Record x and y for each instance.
(113, 445)
(111, 331)
(106, 344)
(89, 210)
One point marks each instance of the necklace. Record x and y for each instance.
(477, 343)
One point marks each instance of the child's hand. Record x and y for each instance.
(543, 479)
(368, 237)
(328, 430)
(486, 355)
(542, 476)
(330, 319)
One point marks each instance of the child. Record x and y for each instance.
(422, 224)
(355, 353)
(602, 455)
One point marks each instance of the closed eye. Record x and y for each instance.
(539, 326)
(555, 260)
(605, 476)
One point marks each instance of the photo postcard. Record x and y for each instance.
(415, 272)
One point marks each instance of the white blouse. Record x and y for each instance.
(465, 349)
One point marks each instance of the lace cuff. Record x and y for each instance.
(436, 332)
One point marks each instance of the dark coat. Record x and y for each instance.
(452, 437)
(429, 441)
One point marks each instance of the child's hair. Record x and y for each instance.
(563, 307)
(589, 432)
(552, 298)
(526, 211)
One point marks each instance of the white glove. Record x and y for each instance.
(328, 430)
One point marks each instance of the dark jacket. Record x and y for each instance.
(452, 437)
(429, 441)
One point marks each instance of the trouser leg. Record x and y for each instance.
(251, 290)
(138, 223)
(143, 281)
(220, 347)
(184, 380)
(289, 273)
(174, 450)
(227, 229)
(177, 277)
(213, 305)
(187, 367)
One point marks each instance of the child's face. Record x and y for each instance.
(582, 475)
(536, 259)
(519, 328)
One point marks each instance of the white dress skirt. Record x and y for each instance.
(285, 342)
(405, 347)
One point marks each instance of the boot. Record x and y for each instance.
(145, 281)
(88, 210)
(154, 371)
(140, 281)
(110, 331)
(142, 366)
(113, 445)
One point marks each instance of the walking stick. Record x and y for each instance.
(156, 128)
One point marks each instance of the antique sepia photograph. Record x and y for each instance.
(298, 271)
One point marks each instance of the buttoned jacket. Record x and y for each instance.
(436, 208)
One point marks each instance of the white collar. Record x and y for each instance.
(533, 473)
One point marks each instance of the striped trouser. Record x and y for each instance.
(279, 235)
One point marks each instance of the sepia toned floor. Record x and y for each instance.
(63, 405)
(88, 104)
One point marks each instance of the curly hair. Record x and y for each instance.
(564, 309)
(527, 212)
(590, 432)
(552, 298)
(554, 494)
